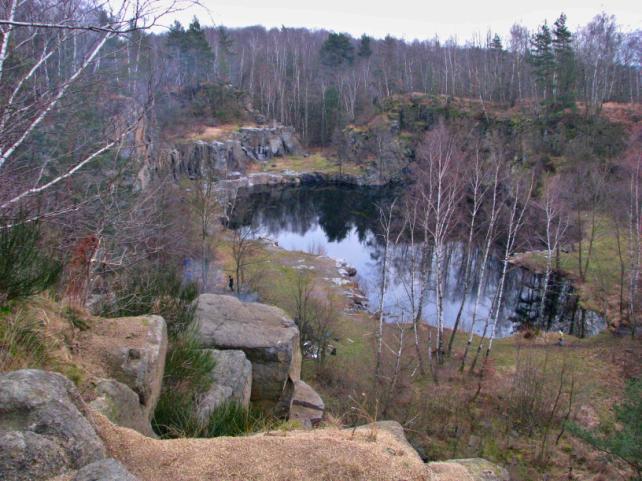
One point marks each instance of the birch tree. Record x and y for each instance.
(520, 202)
(440, 180)
(37, 77)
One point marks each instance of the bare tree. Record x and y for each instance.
(386, 224)
(520, 203)
(440, 182)
(488, 243)
(556, 224)
(478, 187)
(38, 37)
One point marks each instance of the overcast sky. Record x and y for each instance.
(407, 18)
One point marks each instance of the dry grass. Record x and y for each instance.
(318, 161)
(317, 455)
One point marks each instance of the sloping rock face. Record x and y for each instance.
(121, 405)
(43, 429)
(307, 406)
(141, 364)
(231, 381)
(201, 159)
(267, 336)
(105, 470)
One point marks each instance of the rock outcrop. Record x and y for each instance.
(267, 336)
(231, 381)
(104, 470)
(121, 405)
(138, 361)
(203, 159)
(43, 428)
(307, 406)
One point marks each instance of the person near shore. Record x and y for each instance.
(230, 283)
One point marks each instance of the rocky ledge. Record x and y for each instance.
(199, 159)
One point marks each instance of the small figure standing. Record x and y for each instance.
(230, 283)
(560, 341)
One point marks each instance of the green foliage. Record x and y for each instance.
(216, 101)
(337, 51)
(158, 290)
(232, 419)
(543, 59)
(187, 376)
(625, 442)
(25, 269)
(365, 51)
(564, 64)
(192, 49)
(21, 341)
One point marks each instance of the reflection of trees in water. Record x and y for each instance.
(336, 210)
(339, 211)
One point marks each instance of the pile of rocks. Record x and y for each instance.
(261, 340)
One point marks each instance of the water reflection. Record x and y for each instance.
(342, 222)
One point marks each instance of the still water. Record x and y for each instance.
(343, 223)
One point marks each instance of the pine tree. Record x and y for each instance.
(365, 51)
(337, 50)
(564, 64)
(193, 50)
(543, 60)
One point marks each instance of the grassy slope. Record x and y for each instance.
(599, 364)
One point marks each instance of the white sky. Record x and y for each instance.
(409, 19)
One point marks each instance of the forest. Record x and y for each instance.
(478, 199)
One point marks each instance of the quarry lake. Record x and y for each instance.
(343, 223)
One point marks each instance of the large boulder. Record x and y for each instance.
(43, 429)
(267, 336)
(231, 381)
(307, 406)
(121, 405)
(104, 470)
(473, 469)
(138, 359)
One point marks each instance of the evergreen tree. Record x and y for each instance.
(564, 64)
(365, 51)
(193, 51)
(337, 51)
(225, 43)
(543, 60)
(496, 44)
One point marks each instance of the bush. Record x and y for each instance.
(187, 376)
(21, 341)
(232, 419)
(25, 269)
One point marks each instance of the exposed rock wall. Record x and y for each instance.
(217, 158)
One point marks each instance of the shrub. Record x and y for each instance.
(232, 419)
(21, 341)
(25, 269)
(187, 376)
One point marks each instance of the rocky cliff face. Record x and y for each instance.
(217, 158)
